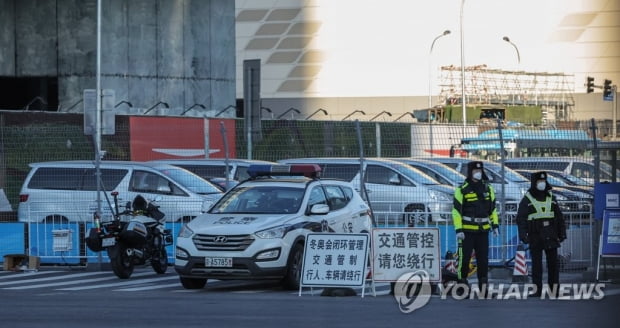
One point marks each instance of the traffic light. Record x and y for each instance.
(590, 84)
(607, 89)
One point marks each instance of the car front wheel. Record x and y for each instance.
(292, 280)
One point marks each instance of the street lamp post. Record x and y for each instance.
(353, 112)
(288, 110)
(383, 112)
(507, 39)
(430, 98)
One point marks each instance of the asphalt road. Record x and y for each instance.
(149, 300)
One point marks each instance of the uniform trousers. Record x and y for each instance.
(479, 242)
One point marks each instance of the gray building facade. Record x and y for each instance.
(177, 52)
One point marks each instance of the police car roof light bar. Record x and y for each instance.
(307, 170)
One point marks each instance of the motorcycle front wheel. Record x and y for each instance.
(121, 262)
(159, 262)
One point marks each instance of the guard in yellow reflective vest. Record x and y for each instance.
(541, 224)
(474, 215)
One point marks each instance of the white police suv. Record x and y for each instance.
(257, 229)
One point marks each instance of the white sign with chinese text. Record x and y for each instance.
(335, 260)
(401, 250)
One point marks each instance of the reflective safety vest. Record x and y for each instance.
(544, 210)
(470, 203)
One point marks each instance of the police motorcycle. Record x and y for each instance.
(135, 236)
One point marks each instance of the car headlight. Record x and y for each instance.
(181, 253)
(439, 196)
(583, 196)
(276, 232)
(185, 232)
(560, 197)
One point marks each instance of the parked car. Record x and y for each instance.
(397, 193)
(579, 167)
(571, 180)
(258, 229)
(214, 169)
(67, 190)
(515, 185)
(570, 199)
(560, 179)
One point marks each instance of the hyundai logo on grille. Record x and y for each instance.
(220, 239)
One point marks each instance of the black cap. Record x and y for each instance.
(542, 175)
(475, 165)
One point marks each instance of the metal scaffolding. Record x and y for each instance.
(485, 86)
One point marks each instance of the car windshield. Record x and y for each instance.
(441, 173)
(190, 181)
(415, 174)
(510, 174)
(446, 171)
(554, 181)
(260, 200)
(571, 179)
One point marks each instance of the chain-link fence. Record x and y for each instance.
(581, 150)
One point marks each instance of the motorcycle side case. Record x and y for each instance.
(134, 234)
(93, 241)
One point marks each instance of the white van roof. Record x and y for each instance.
(89, 163)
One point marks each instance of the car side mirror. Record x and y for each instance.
(394, 180)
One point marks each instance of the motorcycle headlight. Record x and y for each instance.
(439, 196)
(276, 232)
(185, 232)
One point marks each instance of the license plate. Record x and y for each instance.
(107, 242)
(220, 262)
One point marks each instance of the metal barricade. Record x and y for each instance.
(58, 241)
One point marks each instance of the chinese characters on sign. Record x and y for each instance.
(398, 251)
(335, 259)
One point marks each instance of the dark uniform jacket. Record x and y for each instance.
(543, 232)
(474, 200)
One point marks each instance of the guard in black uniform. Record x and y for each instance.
(541, 224)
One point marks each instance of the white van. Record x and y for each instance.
(397, 193)
(66, 191)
